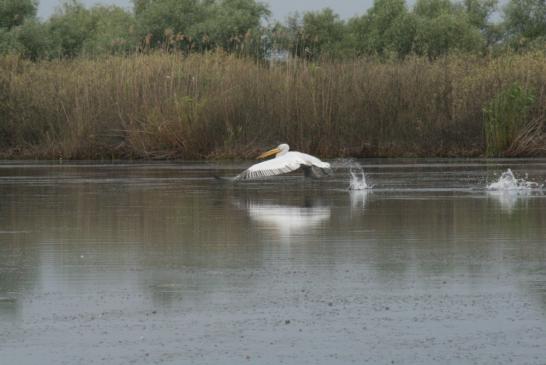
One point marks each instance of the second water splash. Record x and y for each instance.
(509, 182)
(358, 180)
(358, 177)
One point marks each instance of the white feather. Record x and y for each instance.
(283, 163)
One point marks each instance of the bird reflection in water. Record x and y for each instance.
(288, 220)
(285, 216)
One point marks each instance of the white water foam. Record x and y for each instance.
(358, 180)
(358, 177)
(509, 182)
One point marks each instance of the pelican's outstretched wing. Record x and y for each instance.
(276, 166)
(291, 161)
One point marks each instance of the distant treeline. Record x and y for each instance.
(215, 105)
(389, 29)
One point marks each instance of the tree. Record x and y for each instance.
(113, 31)
(525, 22)
(400, 37)
(14, 12)
(433, 8)
(34, 40)
(444, 27)
(323, 32)
(446, 33)
(161, 21)
(479, 12)
(9, 42)
(140, 5)
(76, 30)
(229, 23)
(70, 27)
(290, 35)
(20, 32)
(195, 24)
(386, 27)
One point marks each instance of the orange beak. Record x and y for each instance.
(274, 151)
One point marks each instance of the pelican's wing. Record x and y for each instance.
(316, 172)
(276, 166)
(314, 167)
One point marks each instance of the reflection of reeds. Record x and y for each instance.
(215, 105)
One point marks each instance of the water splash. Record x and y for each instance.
(509, 182)
(358, 180)
(358, 177)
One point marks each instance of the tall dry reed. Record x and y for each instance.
(216, 105)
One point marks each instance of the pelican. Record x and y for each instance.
(285, 161)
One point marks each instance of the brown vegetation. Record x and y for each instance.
(220, 106)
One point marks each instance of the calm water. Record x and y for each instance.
(161, 263)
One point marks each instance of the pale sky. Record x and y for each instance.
(279, 8)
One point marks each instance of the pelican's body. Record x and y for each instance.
(285, 161)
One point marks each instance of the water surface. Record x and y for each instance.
(160, 263)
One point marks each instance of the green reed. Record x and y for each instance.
(221, 106)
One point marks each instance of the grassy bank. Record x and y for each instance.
(215, 106)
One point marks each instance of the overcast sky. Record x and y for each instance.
(279, 8)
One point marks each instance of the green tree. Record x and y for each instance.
(444, 27)
(76, 30)
(34, 40)
(20, 32)
(479, 12)
(113, 31)
(162, 22)
(525, 22)
(386, 27)
(290, 35)
(195, 24)
(446, 33)
(9, 42)
(140, 5)
(433, 8)
(70, 26)
(230, 24)
(323, 32)
(14, 12)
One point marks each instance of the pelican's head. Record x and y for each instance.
(277, 151)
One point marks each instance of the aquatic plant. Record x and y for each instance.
(505, 116)
(217, 105)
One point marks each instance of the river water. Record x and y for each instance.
(144, 263)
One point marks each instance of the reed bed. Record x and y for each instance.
(167, 106)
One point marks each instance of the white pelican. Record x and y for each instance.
(285, 161)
